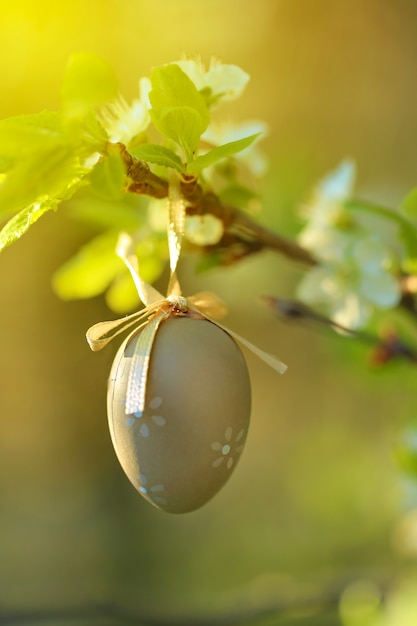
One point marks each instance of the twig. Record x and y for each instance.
(242, 237)
(269, 239)
(385, 348)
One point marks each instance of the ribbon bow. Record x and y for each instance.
(157, 307)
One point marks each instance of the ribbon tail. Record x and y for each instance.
(267, 358)
(147, 294)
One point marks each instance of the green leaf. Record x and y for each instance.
(91, 270)
(126, 213)
(405, 453)
(409, 204)
(43, 174)
(92, 136)
(20, 223)
(179, 111)
(182, 125)
(88, 80)
(409, 238)
(108, 177)
(122, 295)
(171, 87)
(407, 230)
(159, 155)
(25, 135)
(220, 152)
(237, 195)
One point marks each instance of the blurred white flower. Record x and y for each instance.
(349, 291)
(123, 122)
(354, 276)
(329, 227)
(338, 185)
(203, 230)
(220, 81)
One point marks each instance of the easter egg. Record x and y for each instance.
(181, 449)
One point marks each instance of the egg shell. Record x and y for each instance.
(187, 442)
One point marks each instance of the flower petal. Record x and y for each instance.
(381, 289)
(327, 243)
(123, 122)
(371, 253)
(203, 230)
(227, 81)
(350, 311)
(317, 286)
(338, 184)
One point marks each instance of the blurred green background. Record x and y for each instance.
(316, 502)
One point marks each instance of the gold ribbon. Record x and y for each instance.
(157, 307)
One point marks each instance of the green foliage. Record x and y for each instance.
(88, 81)
(91, 270)
(20, 223)
(49, 173)
(408, 234)
(219, 153)
(43, 155)
(127, 212)
(158, 155)
(409, 204)
(237, 195)
(28, 135)
(74, 155)
(405, 453)
(179, 112)
(96, 268)
(161, 155)
(96, 155)
(108, 178)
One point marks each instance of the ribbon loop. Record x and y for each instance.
(206, 303)
(147, 294)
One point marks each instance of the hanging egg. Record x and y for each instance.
(179, 407)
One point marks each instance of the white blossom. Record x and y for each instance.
(222, 81)
(354, 276)
(203, 230)
(123, 122)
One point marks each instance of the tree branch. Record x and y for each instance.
(242, 235)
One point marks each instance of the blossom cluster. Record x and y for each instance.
(219, 83)
(128, 123)
(355, 273)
